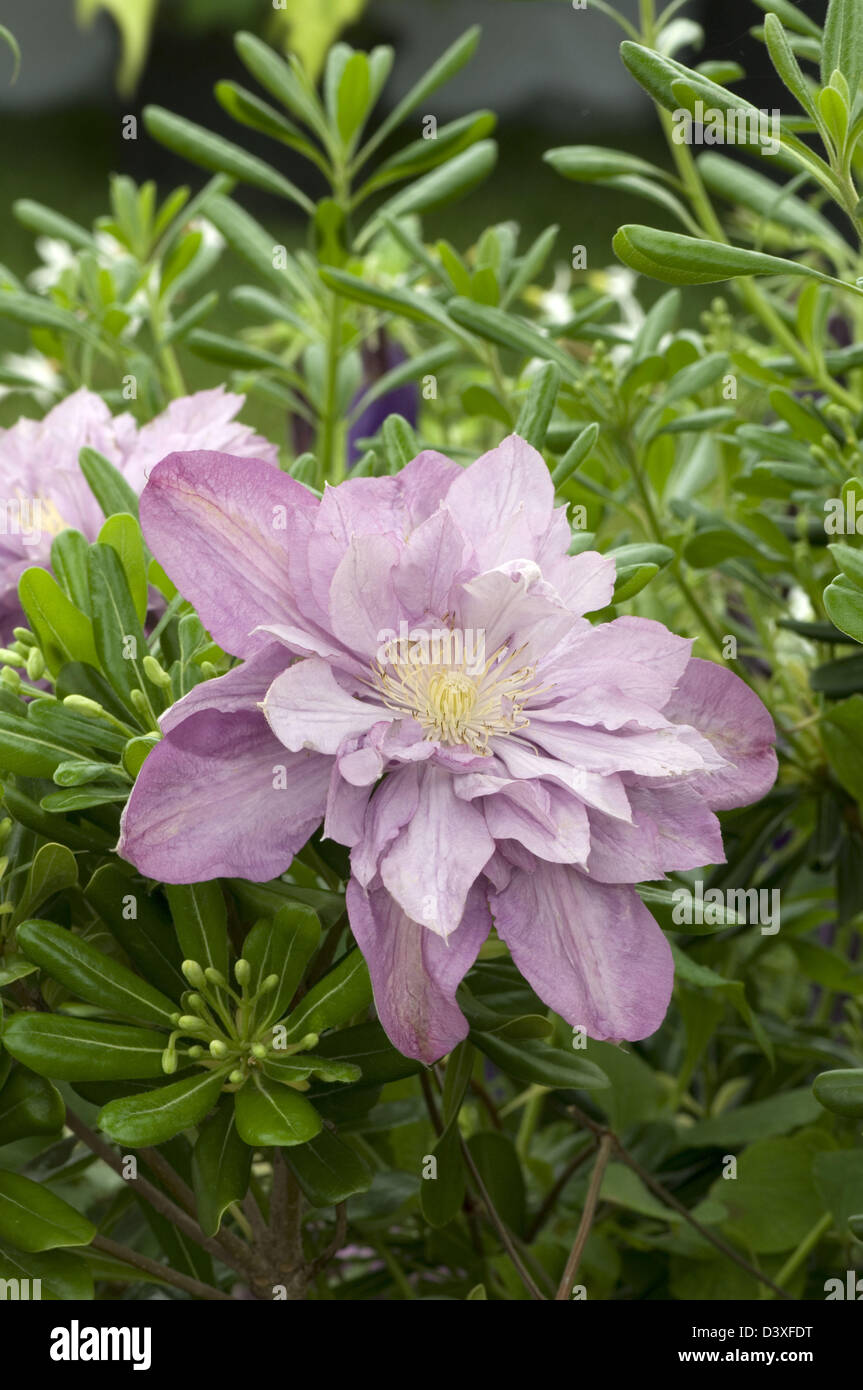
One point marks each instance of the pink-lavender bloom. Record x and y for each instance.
(42, 488)
(526, 784)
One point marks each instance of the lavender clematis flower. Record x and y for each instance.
(418, 672)
(43, 491)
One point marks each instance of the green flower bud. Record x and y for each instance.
(269, 984)
(215, 977)
(259, 1051)
(156, 673)
(10, 679)
(24, 636)
(236, 1077)
(169, 1061)
(82, 704)
(35, 664)
(243, 972)
(194, 974)
(191, 1024)
(218, 1048)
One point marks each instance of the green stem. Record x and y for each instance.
(807, 1244)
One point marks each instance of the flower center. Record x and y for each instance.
(453, 704)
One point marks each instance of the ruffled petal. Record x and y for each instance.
(592, 951)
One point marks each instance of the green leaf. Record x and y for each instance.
(343, 992)
(452, 180)
(69, 563)
(423, 154)
(122, 532)
(210, 151)
(328, 1170)
(142, 927)
(76, 1049)
(773, 1202)
(595, 163)
(442, 1192)
(841, 1091)
(842, 734)
(53, 870)
(107, 484)
(221, 1166)
(62, 1276)
(201, 922)
(535, 1062)
(839, 1180)
(495, 1156)
(785, 62)
(446, 66)
(508, 331)
(759, 1119)
(686, 260)
(270, 1113)
(117, 631)
(33, 1218)
(91, 975)
(535, 414)
(354, 96)
(843, 601)
(158, 1115)
(842, 45)
(63, 633)
(29, 1104)
(367, 1045)
(283, 946)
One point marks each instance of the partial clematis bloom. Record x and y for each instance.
(43, 491)
(419, 674)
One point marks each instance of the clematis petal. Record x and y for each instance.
(363, 602)
(672, 830)
(723, 708)
(592, 951)
(243, 688)
(220, 797)
(220, 527)
(415, 974)
(509, 482)
(436, 859)
(307, 708)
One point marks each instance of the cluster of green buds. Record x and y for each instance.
(221, 1019)
(24, 654)
(718, 325)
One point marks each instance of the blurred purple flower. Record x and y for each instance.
(43, 491)
(528, 785)
(378, 359)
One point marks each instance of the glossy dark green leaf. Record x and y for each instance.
(343, 992)
(537, 1062)
(33, 1218)
(442, 1190)
(367, 1045)
(58, 1275)
(269, 1113)
(29, 1104)
(221, 1165)
(77, 1049)
(93, 976)
(141, 925)
(328, 1169)
(159, 1115)
(201, 923)
(495, 1156)
(281, 945)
